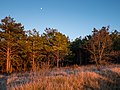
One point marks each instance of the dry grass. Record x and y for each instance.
(81, 78)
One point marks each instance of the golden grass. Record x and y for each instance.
(105, 79)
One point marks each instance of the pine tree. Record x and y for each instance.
(34, 45)
(11, 32)
(100, 46)
(55, 45)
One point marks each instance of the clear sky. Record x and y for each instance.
(71, 17)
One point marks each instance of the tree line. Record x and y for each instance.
(25, 50)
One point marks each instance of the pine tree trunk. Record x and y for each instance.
(97, 64)
(33, 62)
(8, 60)
(57, 59)
(48, 59)
(57, 63)
(25, 67)
(33, 56)
(8, 55)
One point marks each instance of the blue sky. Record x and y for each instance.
(71, 17)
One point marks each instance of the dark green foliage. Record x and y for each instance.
(115, 46)
(80, 55)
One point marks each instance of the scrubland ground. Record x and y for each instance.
(77, 78)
